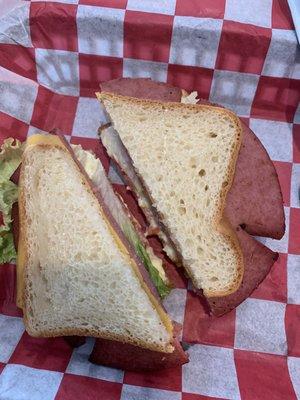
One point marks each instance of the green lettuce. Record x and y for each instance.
(10, 158)
(132, 236)
(8, 196)
(160, 285)
(7, 247)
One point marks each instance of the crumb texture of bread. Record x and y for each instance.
(77, 280)
(186, 156)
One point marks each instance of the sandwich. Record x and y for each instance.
(195, 169)
(85, 266)
(82, 267)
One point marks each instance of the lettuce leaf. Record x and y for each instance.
(7, 247)
(8, 196)
(10, 158)
(160, 285)
(132, 236)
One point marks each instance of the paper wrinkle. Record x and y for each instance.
(11, 77)
(14, 26)
(18, 95)
(58, 70)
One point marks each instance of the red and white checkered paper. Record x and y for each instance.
(239, 53)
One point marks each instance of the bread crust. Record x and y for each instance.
(22, 243)
(23, 275)
(221, 225)
(96, 334)
(254, 227)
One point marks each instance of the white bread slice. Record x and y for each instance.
(185, 155)
(78, 279)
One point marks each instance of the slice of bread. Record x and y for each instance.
(78, 280)
(185, 155)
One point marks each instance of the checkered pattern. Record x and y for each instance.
(242, 54)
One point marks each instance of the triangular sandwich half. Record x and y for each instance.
(77, 272)
(180, 160)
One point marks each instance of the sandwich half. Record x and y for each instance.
(81, 267)
(255, 182)
(186, 156)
